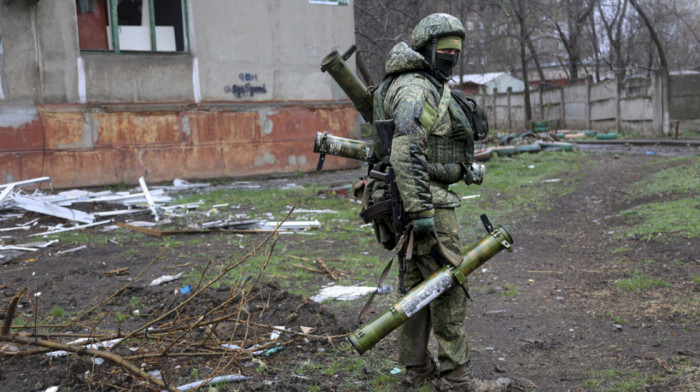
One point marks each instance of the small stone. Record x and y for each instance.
(617, 327)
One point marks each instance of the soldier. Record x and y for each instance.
(433, 146)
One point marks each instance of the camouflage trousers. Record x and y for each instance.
(446, 314)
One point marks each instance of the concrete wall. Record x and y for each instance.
(247, 99)
(684, 105)
(634, 106)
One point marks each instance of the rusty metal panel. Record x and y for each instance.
(296, 124)
(85, 147)
(22, 137)
(20, 165)
(65, 130)
(223, 127)
(124, 129)
(83, 168)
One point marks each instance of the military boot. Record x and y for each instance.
(417, 375)
(461, 379)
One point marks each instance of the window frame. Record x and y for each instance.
(113, 20)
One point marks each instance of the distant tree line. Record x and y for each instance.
(602, 38)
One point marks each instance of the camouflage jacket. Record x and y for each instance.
(430, 144)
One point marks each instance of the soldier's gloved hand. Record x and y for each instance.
(423, 226)
(474, 174)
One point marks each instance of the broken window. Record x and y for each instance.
(133, 25)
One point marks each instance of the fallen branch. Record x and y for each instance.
(117, 272)
(327, 270)
(106, 355)
(10, 313)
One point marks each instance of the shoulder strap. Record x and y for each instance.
(431, 116)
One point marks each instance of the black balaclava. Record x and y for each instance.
(441, 64)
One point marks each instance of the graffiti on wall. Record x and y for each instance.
(247, 86)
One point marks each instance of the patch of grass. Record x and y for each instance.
(89, 238)
(119, 187)
(696, 279)
(517, 185)
(57, 311)
(612, 380)
(616, 319)
(619, 249)
(677, 179)
(350, 366)
(639, 281)
(672, 218)
(510, 290)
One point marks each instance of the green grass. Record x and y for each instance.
(639, 281)
(510, 290)
(681, 178)
(668, 219)
(342, 363)
(612, 380)
(516, 185)
(84, 238)
(57, 311)
(616, 319)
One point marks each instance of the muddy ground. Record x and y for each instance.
(567, 329)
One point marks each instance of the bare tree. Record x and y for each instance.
(612, 14)
(379, 25)
(652, 31)
(576, 12)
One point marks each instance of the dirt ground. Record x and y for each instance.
(566, 328)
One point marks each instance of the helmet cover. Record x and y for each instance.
(436, 26)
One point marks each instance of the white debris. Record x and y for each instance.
(300, 210)
(47, 208)
(71, 228)
(74, 249)
(165, 279)
(277, 332)
(92, 346)
(32, 181)
(342, 293)
(149, 199)
(290, 225)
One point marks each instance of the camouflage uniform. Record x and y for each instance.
(432, 141)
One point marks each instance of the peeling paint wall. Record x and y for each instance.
(86, 148)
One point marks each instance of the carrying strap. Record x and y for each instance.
(406, 248)
(454, 258)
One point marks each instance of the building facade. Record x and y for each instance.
(95, 92)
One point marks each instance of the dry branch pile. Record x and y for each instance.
(212, 332)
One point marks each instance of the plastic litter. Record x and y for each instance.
(165, 279)
(342, 293)
(215, 380)
(186, 290)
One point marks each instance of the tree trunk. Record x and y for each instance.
(652, 32)
(523, 62)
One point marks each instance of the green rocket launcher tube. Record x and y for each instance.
(361, 98)
(339, 146)
(420, 296)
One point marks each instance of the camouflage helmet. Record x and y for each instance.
(436, 26)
